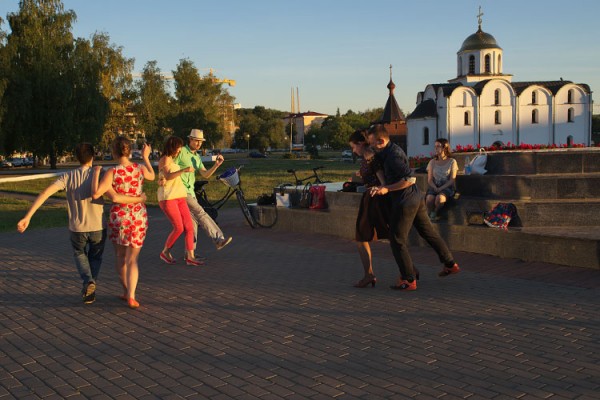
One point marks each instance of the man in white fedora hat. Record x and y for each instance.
(188, 157)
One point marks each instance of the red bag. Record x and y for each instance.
(317, 201)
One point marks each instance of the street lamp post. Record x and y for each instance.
(248, 139)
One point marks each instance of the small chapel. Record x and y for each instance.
(483, 106)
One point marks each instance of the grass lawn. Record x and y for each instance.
(47, 216)
(258, 176)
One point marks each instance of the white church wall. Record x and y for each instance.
(463, 100)
(578, 126)
(429, 93)
(503, 129)
(442, 109)
(416, 145)
(528, 131)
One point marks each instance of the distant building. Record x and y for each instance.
(393, 118)
(483, 106)
(303, 122)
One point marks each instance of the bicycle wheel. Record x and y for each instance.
(245, 210)
(208, 208)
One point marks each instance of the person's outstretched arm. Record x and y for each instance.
(39, 201)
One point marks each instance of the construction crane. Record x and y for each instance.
(211, 75)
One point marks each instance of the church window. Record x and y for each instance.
(571, 115)
(570, 96)
(534, 117)
(497, 97)
(497, 119)
(499, 64)
(471, 64)
(425, 136)
(460, 66)
(534, 97)
(467, 118)
(488, 66)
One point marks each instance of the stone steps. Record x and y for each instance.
(559, 245)
(538, 213)
(527, 187)
(557, 161)
(556, 192)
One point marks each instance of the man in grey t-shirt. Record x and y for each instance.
(86, 222)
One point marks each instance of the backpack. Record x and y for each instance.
(500, 215)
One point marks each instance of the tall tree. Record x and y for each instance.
(38, 100)
(265, 127)
(189, 113)
(153, 105)
(202, 102)
(115, 81)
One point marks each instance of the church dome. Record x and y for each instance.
(478, 41)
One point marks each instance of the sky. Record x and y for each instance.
(338, 52)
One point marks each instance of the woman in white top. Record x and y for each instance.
(172, 199)
(441, 178)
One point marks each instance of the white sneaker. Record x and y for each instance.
(223, 242)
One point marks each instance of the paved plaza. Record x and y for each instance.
(274, 316)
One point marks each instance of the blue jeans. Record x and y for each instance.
(87, 251)
(407, 211)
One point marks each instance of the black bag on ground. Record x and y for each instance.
(305, 196)
(266, 199)
(350, 186)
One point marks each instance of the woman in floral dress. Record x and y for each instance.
(128, 223)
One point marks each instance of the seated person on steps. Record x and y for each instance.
(441, 178)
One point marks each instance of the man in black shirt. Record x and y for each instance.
(407, 208)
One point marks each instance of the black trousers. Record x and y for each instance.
(409, 210)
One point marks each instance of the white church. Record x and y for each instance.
(482, 105)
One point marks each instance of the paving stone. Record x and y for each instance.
(274, 315)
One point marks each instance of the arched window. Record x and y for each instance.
(534, 116)
(497, 119)
(460, 66)
(571, 115)
(488, 66)
(570, 141)
(534, 97)
(499, 69)
(570, 96)
(497, 97)
(471, 64)
(467, 118)
(425, 136)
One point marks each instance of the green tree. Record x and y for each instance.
(153, 104)
(59, 90)
(38, 101)
(201, 102)
(115, 84)
(265, 127)
(90, 107)
(188, 113)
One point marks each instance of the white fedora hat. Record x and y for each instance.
(197, 134)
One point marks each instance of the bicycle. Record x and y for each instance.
(300, 182)
(231, 179)
(300, 197)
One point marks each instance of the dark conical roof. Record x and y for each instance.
(392, 111)
(478, 41)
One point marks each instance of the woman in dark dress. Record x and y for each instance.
(371, 222)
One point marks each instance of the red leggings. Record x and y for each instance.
(178, 213)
